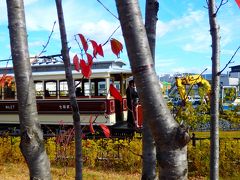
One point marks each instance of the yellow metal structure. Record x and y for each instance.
(181, 82)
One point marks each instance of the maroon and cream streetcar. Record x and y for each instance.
(54, 110)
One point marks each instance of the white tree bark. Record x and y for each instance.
(169, 136)
(32, 142)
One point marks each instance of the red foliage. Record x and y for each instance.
(76, 63)
(85, 69)
(90, 59)
(91, 125)
(84, 42)
(116, 46)
(97, 49)
(238, 3)
(106, 130)
(115, 93)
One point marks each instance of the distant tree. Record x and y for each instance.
(32, 142)
(214, 111)
(71, 90)
(170, 137)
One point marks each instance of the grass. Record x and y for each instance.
(222, 134)
(12, 171)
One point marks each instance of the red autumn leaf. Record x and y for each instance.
(100, 50)
(85, 69)
(238, 3)
(91, 125)
(90, 59)
(76, 63)
(115, 93)
(84, 42)
(95, 47)
(106, 130)
(116, 46)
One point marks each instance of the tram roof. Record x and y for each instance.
(98, 67)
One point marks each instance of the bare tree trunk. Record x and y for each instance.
(148, 144)
(169, 136)
(214, 30)
(32, 142)
(71, 91)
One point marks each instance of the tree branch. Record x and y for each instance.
(229, 62)
(223, 2)
(49, 37)
(111, 35)
(107, 9)
(81, 49)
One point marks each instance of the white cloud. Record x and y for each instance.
(197, 70)
(160, 63)
(192, 18)
(29, 2)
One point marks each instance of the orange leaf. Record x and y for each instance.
(116, 46)
(84, 42)
(76, 63)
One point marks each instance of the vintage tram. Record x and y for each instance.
(54, 110)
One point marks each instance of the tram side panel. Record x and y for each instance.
(57, 112)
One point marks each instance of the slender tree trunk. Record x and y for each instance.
(71, 91)
(169, 136)
(148, 147)
(214, 30)
(32, 142)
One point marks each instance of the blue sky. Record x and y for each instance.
(183, 39)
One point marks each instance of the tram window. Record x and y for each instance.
(102, 91)
(9, 91)
(116, 84)
(63, 89)
(39, 89)
(51, 89)
(89, 90)
(79, 91)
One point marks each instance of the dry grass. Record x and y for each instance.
(222, 134)
(20, 172)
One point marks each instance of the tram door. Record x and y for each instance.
(118, 105)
